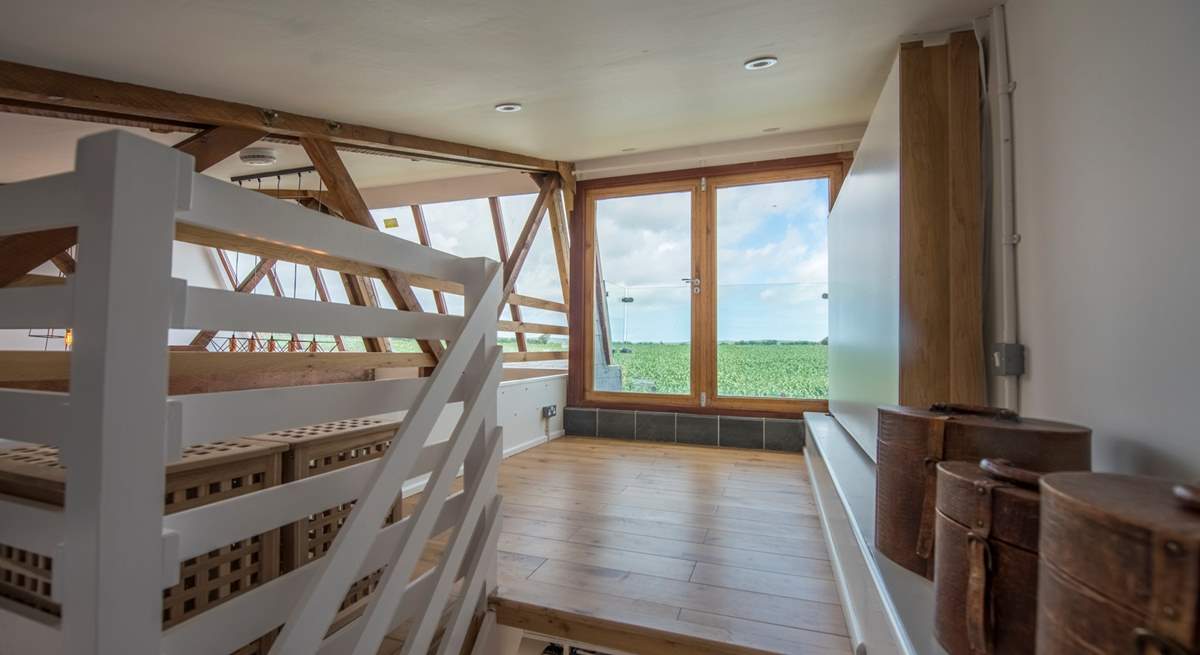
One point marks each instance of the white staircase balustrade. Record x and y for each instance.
(117, 427)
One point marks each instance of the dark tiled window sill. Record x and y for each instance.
(680, 427)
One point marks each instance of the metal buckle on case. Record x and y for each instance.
(987, 548)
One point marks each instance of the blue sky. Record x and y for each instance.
(772, 260)
(772, 263)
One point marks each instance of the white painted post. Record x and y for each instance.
(111, 573)
(475, 292)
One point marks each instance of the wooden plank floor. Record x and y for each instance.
(664, 548)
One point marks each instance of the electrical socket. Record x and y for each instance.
(549, 411)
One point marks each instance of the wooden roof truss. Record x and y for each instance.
(218, 129)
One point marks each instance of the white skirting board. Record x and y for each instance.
(889, 610)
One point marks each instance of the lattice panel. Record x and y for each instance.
(26, 577)
(322, 448)
(333, 428)
(204, 474)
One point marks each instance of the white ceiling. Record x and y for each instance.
(596, 77)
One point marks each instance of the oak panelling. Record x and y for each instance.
(968, 377)
(924, 278)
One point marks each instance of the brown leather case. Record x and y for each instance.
(986, 564)
(912, 441)
(1120, 567)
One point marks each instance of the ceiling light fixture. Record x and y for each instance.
(508, 107)
(759, 63)
(258, 156)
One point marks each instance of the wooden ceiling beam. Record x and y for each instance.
(439, 296)
(21, 253)
(360, 290)
(323, 294)
(502, 248)
(41, 110)
(323, 196)
(256, 275)
(562, 243)
(64, 262)
(213, 145)
(333, 172)
(516, 260)
(68, 91)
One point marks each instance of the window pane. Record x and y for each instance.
(772, 273)
(644, 252)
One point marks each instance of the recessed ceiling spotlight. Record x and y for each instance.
(771, 129)
(508, 107)
(759, 63)
(258, 156)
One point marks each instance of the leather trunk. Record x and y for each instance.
(986, 564)
(912, 441)
(1120, 567)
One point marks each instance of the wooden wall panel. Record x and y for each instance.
(906, 245)
(968, 383)
(924, 203)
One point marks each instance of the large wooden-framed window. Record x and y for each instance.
(704, 290)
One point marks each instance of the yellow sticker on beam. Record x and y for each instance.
(391, 222)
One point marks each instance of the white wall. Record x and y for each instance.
(518, 412)
(864, 275)
(1107, 140)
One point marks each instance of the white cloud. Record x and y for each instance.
(772, 261)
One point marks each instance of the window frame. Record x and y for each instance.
(703, 182)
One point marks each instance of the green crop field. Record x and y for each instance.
(759, 369)
(765, 369)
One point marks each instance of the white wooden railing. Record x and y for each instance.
(114, 550)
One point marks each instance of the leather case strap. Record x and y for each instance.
(975, 410)
(980, 617)
(1003, 470)
(935, 446)
(979, 606)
